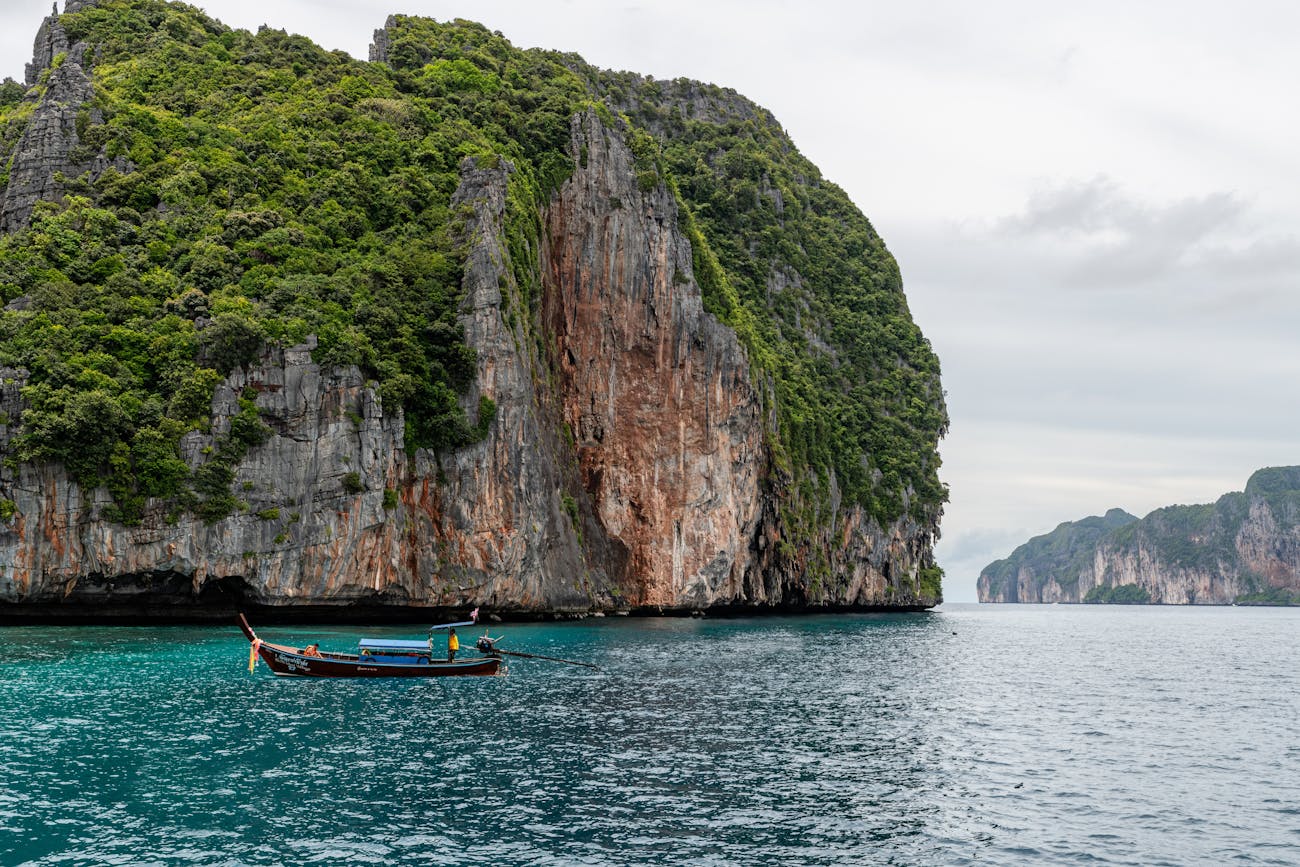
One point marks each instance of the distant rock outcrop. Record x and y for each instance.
(1244, 548)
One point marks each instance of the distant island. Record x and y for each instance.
(1242, 549)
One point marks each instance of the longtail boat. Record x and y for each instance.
(375, 657)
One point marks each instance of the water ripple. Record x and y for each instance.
(1030, 736)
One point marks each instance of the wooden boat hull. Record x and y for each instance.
(287, 661)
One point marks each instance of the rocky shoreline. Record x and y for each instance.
(178, 613)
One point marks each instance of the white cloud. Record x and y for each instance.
(1114, 239)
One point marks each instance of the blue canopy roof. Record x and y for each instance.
(390, 644)
(452, 625)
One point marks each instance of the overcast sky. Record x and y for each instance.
(1094, 206)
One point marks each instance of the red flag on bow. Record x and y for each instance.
(473, 615)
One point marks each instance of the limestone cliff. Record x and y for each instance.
(1244, 548)
(628, 450)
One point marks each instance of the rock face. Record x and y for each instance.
(658, 395)
(49, 146)
(498, 514)
(59, 547)
(51, 136)
(627, 464)
(1244, 548)
(51, 41)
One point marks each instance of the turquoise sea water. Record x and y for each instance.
(971, 735)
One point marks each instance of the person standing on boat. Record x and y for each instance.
(453, 644)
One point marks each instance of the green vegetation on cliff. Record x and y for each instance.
(263, 190)
(1122, 594)
(1275, 596)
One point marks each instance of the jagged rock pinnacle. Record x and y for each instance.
(379, 48)
(51, 41)
(46, 147)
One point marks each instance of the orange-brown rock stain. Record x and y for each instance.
(669, 456)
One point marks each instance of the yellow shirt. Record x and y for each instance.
(453, 643)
